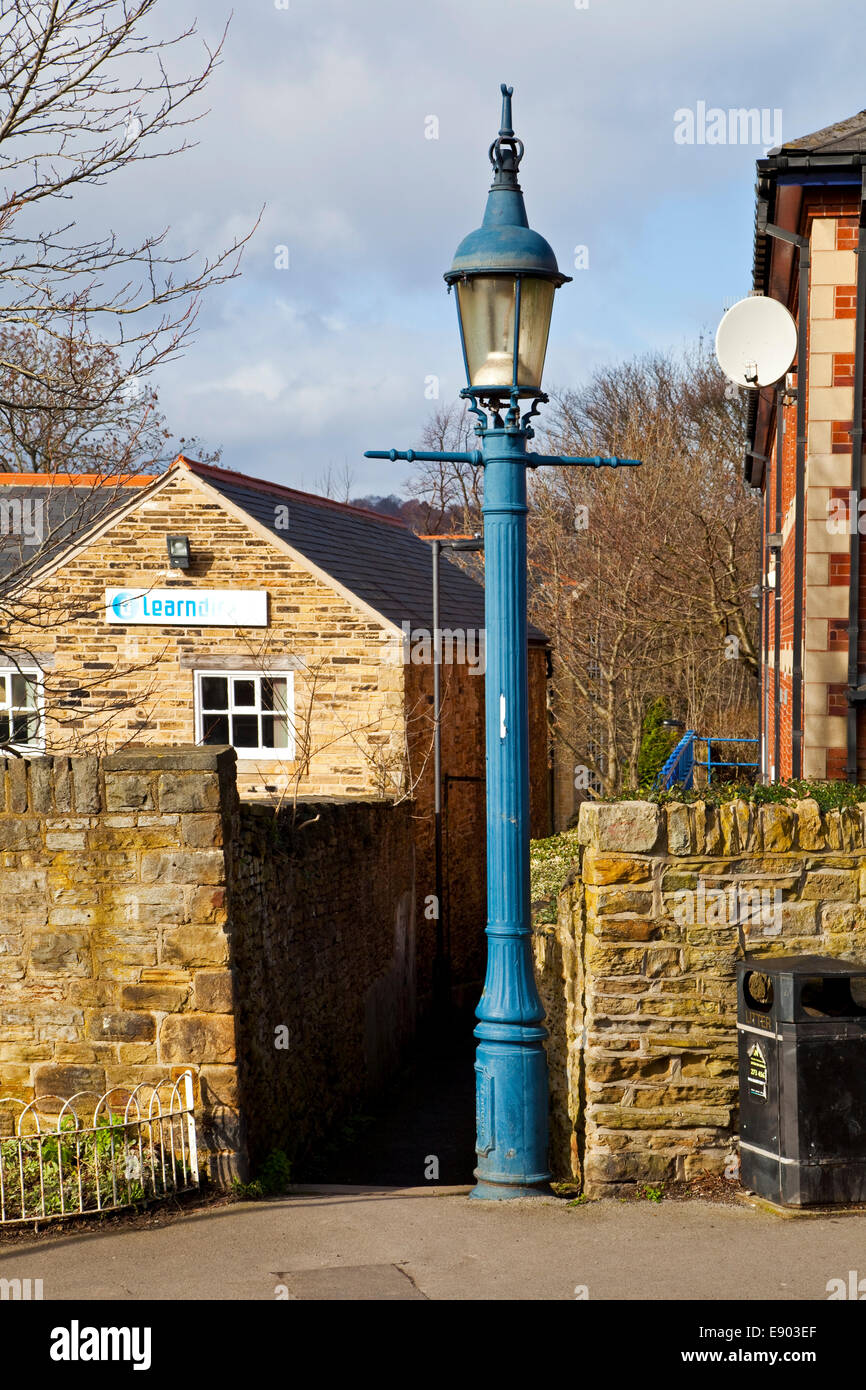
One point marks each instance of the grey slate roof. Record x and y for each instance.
(374, 556)
(52, 516)
(845, 137)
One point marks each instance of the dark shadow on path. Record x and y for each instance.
(427, 1113)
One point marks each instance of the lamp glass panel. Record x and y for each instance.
(486, 304)
(536, 307)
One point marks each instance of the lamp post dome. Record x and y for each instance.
(505, 243)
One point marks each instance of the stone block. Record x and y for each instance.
(679, 829)
(107, 1026)
(16, 786)
(207, 904)
(67, 1081)
(619, 826)
(212, 991)
(62, 780)
(810, 825)
(606, 901)
(183, 792)
(162, 998)
(605, 869)
(203, 831)
(831, 885)
(778, 829)
(131, 791)
(219, 1085)
(85, 783)
(63, 952)
(195, 946)
(41, 801)
(197, 1038)
(183, 866)
(18, 834)
(682, 1117)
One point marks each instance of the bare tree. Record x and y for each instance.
(451, 492)
(642, 578)
(101, 432)
(85, 93)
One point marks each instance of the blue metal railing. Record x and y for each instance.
(679, 769)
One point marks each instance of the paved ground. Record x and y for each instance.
(361, 1244)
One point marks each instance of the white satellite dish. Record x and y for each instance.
(756, 341)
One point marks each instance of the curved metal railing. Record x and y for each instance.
(97, 1153)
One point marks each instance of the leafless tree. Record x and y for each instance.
(87, 92)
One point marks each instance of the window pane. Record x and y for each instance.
(24, 728)
(3, 693)
(23, 692)
(4, 728)
(245, 692)
(274, 693)
(215, 693)
(215, 728)
(245, 730)
(275, 731)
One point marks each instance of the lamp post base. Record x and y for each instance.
(487, 1191)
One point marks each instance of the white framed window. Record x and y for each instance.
(251, 710)
(21, 709)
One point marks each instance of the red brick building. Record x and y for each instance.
(805, 450)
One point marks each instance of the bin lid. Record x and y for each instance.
(801, 965)
(801, 989)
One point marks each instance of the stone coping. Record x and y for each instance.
(682, 829)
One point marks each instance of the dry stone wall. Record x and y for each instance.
(638, 973)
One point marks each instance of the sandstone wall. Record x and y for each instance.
(150, 922)
(638, 977)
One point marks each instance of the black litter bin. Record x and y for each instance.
(801, 1022)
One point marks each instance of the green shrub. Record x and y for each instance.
(656, 743)
(830, 796)
(273, 1178)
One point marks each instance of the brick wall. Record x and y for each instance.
(151, 922)
(638, 976)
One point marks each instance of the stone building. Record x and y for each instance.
(206, 607)
(805, 454)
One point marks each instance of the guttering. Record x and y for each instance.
(854, 500)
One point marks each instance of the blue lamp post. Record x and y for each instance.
(505, 277)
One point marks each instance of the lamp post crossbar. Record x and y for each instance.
(475, 456)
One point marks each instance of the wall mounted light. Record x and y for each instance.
(178, 552)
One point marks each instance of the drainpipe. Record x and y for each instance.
(854, 695)
(777, 580)
(802, 244)
(762, 639)
(442, 960)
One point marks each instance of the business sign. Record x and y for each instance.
(188, 607)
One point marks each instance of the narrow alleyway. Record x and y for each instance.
(426, 1114)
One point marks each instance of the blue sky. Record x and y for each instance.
(319, 112)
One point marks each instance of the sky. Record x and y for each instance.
(322, 112)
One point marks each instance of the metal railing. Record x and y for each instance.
(89, 1154)
(679, 769)
(710, 762)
